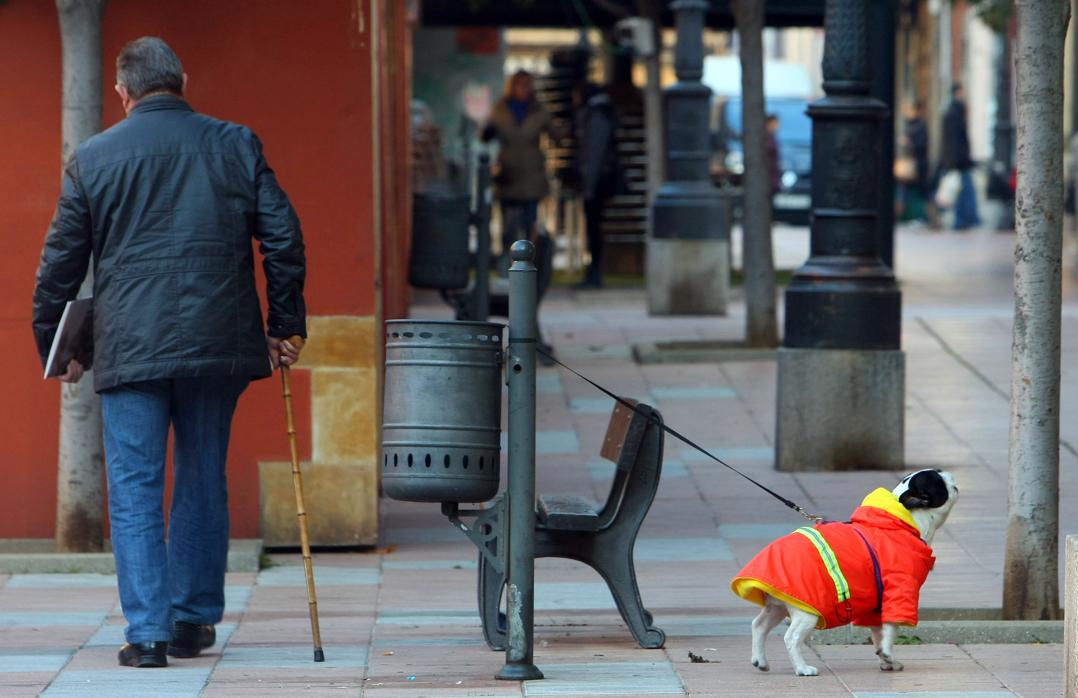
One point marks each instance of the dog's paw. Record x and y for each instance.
(888, 663)
(761, 664)
(807, 671)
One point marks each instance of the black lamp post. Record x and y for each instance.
(844, 297)
(688, 250)
(841, 372)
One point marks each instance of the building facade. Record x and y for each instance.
(325, 85)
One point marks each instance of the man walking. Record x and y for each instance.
(166, 203)
(956, 157)
(600, 170)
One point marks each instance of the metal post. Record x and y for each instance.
(481, 298)
(687, 255)
(520, 585)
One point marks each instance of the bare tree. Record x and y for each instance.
(80, 511)
(653, 100)
(1031, 581)
(761, 327)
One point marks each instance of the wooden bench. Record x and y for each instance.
(599, 535)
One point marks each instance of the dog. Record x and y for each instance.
(868, 571)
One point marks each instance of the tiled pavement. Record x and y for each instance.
(401, 621)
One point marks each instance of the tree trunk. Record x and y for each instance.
(80, 510)
(758, 263)
(653, 101)
(1031, 581)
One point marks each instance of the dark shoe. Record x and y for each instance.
(189, 639)
(144, 655)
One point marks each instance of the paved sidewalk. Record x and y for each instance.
(401, 621)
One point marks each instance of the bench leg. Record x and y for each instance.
(620, 575)
(491, 584)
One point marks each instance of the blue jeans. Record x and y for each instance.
(185, 579)
(518, 219)
(965, 207)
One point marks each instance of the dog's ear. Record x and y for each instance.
(926, 490)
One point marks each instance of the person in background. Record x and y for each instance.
(955, 156)
(915, 143)
(428, 163)
(774, 171)
(517, 122)
(600, 173)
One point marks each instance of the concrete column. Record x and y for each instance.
(841, 372)
(688, 271)
(1070, 620)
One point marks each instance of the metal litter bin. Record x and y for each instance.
(441, 426)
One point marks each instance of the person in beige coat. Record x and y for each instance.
(517, 122)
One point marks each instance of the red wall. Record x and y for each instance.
(298, 73)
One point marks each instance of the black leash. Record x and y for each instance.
(677, 435)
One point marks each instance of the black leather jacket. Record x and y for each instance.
(167, 201)
(955, 152)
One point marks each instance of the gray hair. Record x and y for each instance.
(147, 65)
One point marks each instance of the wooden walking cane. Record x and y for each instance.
(301, 510)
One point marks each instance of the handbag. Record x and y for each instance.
(905, 169)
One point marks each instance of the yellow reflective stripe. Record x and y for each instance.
(830, 562)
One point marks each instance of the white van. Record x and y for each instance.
(781, 79)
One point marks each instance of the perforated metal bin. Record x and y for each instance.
(441, 423)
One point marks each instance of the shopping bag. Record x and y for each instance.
(947, 191)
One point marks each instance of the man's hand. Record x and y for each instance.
(73, 374)
(282, 352)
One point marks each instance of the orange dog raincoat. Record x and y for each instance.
(829, 571)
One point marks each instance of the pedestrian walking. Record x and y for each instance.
(914, 164)
(165, 205)
(518, 122)
(600, 171)
(429, 171)
(955, 157)
(774, 156)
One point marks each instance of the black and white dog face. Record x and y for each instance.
(929, 495)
